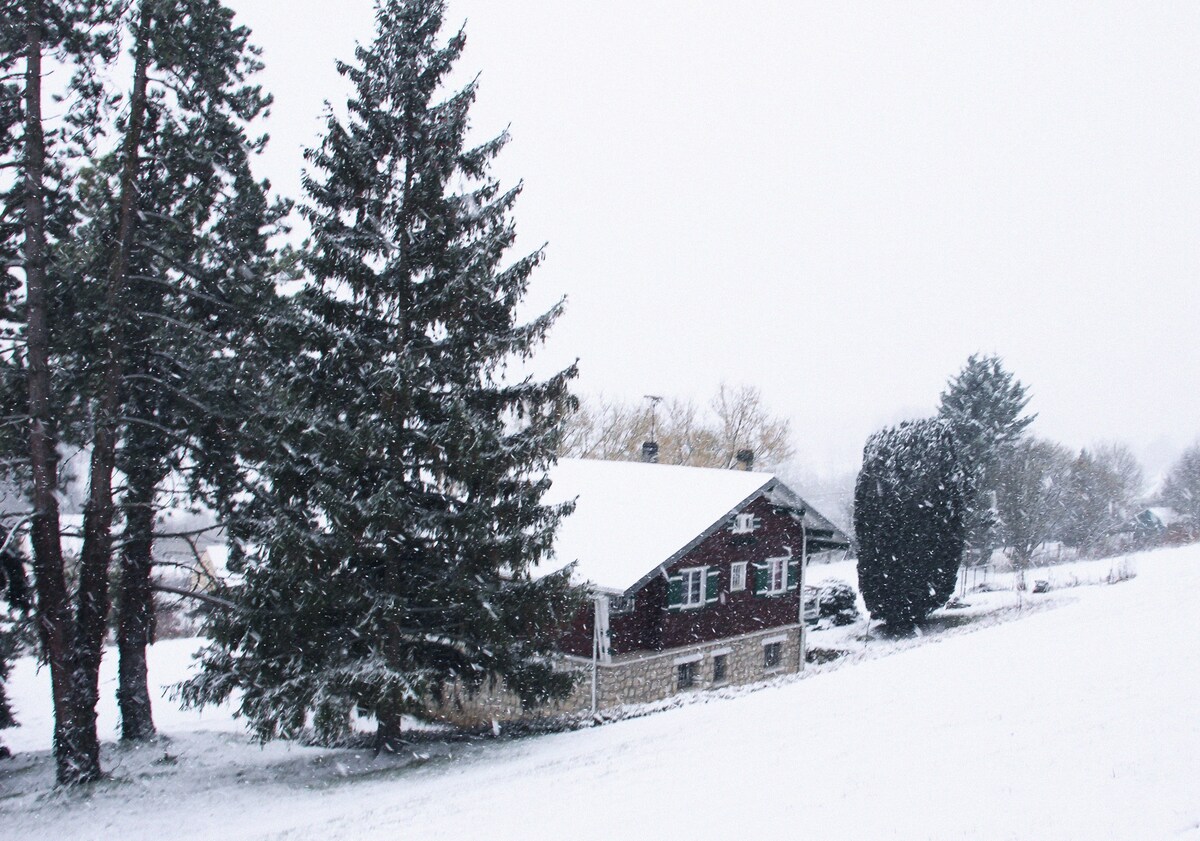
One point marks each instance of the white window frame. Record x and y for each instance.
(777, 571)
(618, 605)
(700, 575)
(737, 576)
(743, 523)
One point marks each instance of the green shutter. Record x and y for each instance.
(793, 574)
(675, 592)
(762, 578)
(712, 584)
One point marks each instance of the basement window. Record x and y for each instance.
(687, 674)
(719, 668)
(772, 655)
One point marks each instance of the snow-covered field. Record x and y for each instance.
(1078, 722)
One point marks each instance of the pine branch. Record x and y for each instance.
(216, 601)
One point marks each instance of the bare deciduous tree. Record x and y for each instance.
(1103, 488)
(1030, 496)
(736, 419)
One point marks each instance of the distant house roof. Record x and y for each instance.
(1166, 516)
(632, 517)
(1159, 517)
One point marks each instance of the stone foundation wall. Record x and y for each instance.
(641, 678)
(637, 679)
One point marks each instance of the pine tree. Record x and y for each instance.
(78, 34)
(132, 276)
(909, 504)
(983, 405)
(14, 590)
(399, 514)
(200, 276)
(1181, 488)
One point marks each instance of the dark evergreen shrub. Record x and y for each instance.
(908, 518)
(837, 602)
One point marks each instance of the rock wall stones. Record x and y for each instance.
(644, 677)
(641, 678)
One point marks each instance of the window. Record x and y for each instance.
(620, 604)
(744, 523)
(693, 587)
(719, 662)
(772, 655)
(687, 675)
(737, 577)
(776, 575)
(812, 605)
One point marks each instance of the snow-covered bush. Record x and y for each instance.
(837, 602)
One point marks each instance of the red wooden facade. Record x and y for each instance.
(657, 622)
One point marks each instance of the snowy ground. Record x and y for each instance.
(1078, 722)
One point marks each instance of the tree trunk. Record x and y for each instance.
(388, 730)
(135, 608)
(93, 601)
(72, 761)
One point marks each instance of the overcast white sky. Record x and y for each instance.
(836, 202)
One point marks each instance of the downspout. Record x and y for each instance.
(595, 649)
(803, 619)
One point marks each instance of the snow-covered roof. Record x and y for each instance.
(630, 517)
(1165, 516)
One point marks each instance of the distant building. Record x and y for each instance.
(1161, 526)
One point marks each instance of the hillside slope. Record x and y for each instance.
(1073, 723)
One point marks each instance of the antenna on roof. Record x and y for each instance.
(650, 448)
(654, 399)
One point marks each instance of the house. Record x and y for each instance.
(1160, 526)
(695, 576)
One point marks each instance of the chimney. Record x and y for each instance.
(650, 452)
(745, 459)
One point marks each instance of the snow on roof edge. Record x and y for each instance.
(633, 517)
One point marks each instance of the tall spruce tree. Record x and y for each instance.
(388, 552)
(983, 405)
(133, 267)
(200, 282)
(78, 34)
(909, 505)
